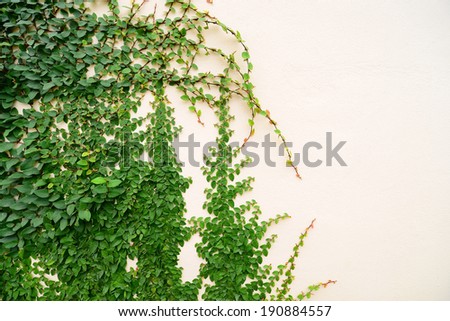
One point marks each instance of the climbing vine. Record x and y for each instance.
(78, 200)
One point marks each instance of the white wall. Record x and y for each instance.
(377, 75)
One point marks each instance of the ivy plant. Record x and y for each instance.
(77, 200)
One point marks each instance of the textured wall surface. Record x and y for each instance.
(377, 75)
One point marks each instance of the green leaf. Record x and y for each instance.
(79, 55)
(32, 94)
(6, 146)
(81, 33)
(84, 215)
(114, 183)
(48, 86)
(7, 201)
(63, 224)
(99, 180)
(18, 206)
(100, 189)
(70, 209)
(19, 67)
(98, 91)
(99, 35)
(9, 242)
(245, 55)
(86, 200)
(48, 97)
(106, 83)
(82, 163)
(42, 193)
(37, 221)
(61, 204)
(55, 216)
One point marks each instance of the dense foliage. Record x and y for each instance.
(77, 200)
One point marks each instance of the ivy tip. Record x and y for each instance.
(329, 282)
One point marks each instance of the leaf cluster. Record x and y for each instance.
(78, 202)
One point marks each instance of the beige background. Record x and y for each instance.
(377, 75)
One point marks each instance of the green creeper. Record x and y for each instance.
(78, 202)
